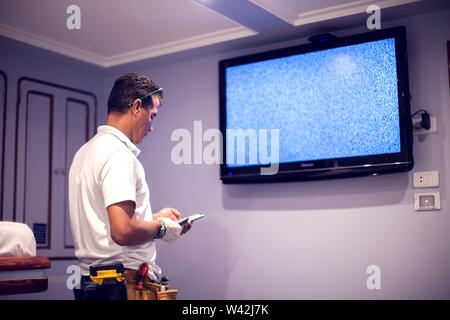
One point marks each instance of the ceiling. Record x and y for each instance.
(115, 32)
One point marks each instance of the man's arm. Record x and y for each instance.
(126, 230)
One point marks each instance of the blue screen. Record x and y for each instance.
(335, 103)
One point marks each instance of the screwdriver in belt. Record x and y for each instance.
(141, 275)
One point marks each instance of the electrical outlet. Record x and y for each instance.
(427, 201)
(433, 128)
(426, 179)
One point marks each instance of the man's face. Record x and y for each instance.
(144, 120)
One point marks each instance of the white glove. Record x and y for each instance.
(173, 229)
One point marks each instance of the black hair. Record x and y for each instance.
(129, 87)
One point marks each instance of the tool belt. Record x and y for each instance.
(150, 291)
(104, 275)
(147, 290)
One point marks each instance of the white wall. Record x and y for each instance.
(303, 240)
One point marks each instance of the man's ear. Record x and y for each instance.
(136, 107)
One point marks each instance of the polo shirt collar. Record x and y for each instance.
(121, 136)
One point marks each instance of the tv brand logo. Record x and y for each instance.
(307, 165)
(236, 147)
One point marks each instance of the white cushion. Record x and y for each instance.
(16, 239)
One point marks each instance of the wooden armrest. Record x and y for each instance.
(8, 287)
(19, 263)
(13, 263)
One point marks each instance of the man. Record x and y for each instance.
(110, 212)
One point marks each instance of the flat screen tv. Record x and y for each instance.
(328, 109)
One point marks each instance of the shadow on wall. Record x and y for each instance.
(358, 192)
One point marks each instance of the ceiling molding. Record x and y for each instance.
(342, 10)
(180, 45)
(144, 53)
(50, 44)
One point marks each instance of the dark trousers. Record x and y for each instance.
(89, 290)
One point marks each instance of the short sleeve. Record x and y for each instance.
(118, 178)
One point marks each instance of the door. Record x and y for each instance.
(53, 121)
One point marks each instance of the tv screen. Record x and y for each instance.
(338, 108)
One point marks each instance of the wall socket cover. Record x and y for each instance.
(426, 179)
(427, 201)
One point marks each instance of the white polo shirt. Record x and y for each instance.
(104, 171)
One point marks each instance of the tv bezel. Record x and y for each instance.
(336, 167)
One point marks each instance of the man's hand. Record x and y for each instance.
(174, 215)
(170, 213)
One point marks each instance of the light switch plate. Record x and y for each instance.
(426, 179)
(427, 201)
